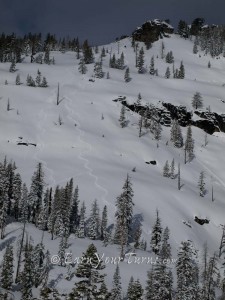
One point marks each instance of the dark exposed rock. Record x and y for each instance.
(201, 221)
(151, 31)
(210, 122)
(151, 162)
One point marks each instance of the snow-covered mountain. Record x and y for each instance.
(91, 146)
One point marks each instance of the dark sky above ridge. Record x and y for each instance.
(101, 21)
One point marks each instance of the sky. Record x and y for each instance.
(100, 21)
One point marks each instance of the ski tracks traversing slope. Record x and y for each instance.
(84, 151)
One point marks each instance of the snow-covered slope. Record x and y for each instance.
(98, 153)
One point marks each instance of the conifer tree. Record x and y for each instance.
(36, 193)
(172, 169)
(189, 144)
(62, 250)
(166, 170)
(156, 235)
(44, 82)
(18, 82)
(167, 74)
(27, 276)
(124, 214)
(89, 272)
(104, 223)
(181, 73)
(176, 135)
(81, 229)
(38, 78)
(98, 70)
(12, 68)
(82, 66)
(116, 292)
(127, 75)
(134, 290)
(47, 56)
(140, 61)
(165, 251)
(197, 101)
(103, 292)
(152, 66)
(94, 223)
(187, 281)
(201, 184)
(122, 119)
(7, 269)
(38, 263)
(74, 211)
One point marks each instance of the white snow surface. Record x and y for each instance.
(98, 164)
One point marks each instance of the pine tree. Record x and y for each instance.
(103, 292)
(122, 118)
(82, 66)
(38, 262)
(27, 276)
(167, 74)
(104, 223)
(124, 214)
(94, 222)
(209, 64)
(7, 269)
(201, 184)
(98, 70)
(81, 229)
(172, 169)
(8, 105)
(140, 61)
(36, 193)
(116, 292)
(134, 290)
(12, 68)
(165, 251)
(178, 177)
(149, 287)
(156, 235)
(181, 73)
(187, 279)
(169, 57)
(38, 78)
(89, 272)
(44, 82)
(195, 47)
(166, 170)
(47, 56)
(176, 135)
(152, 66)
(18, 82)
(61, 252)
(197, 101)
(127, 75)
(120, 62)
(189, 144)
(74, 211)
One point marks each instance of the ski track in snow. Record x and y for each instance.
(88, 150)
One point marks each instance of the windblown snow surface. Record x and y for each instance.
(98, 153)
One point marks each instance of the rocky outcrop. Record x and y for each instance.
(210, 122)
(201, 221)
(151, 31)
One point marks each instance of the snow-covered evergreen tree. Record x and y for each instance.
(156, 236)
(166, 170)
(172, 169)
(197, 101)
(176, 134)
(82, 66)
(127, 75)
(7, 269)
(104, 223)
(201, 184)
(122, 118)
(116, 292)
(187, 281)
(81, 228)
(12, 68)
(124, 214)
(189, 144)
(152, 66)
(167, 74)
(140, 60)
(18, 82)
